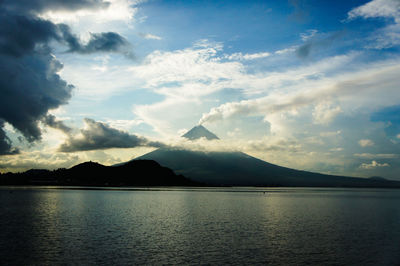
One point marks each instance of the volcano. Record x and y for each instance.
(199, 132)
(240, 169)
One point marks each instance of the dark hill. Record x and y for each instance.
(237, 168)
(377, 178)
(135, 173)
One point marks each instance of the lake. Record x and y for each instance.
(291, 226)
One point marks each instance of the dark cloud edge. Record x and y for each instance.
(100, 136)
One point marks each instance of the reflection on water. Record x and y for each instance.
(214, 226)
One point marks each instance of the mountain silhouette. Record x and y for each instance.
(238, 168)
(135, 173)
(180, 167)
(198, 132)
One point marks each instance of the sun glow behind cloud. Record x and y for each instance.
(117, 10)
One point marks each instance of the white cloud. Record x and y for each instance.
(197, 69)
(377, 8)
(234, 133)
(262, 145)
(373, 165)
(366, 143)
(182, 131)
(286, 50)
(53, 137)
(324, 113)
(387, 36)
(51, 159)
(398, 136)
(45, 159)
(308, 35)
(240, 56)
(350, 90)
(376, 156)
(150, 36)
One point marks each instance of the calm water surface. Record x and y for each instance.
(208, 226)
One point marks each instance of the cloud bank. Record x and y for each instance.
(98, 135)
(358, 87)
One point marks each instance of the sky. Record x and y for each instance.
(311, 85)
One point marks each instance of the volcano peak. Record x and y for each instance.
(198, 132)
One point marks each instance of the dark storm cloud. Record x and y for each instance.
(37, 6)
(29, 82)
(30, 86)
(20, 35)
(105, 42)
(51, 121)
(98, 136)
(98, 42)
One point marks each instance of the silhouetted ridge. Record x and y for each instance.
(377, 178)
(135, 173)
(238, 168)
(199, 132)
(88, 164)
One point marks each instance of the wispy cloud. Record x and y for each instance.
(305, 36)
(366, 143)
(240, 56)
(150, 36)
(377, 8)
(376, 156)
(387, 36)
